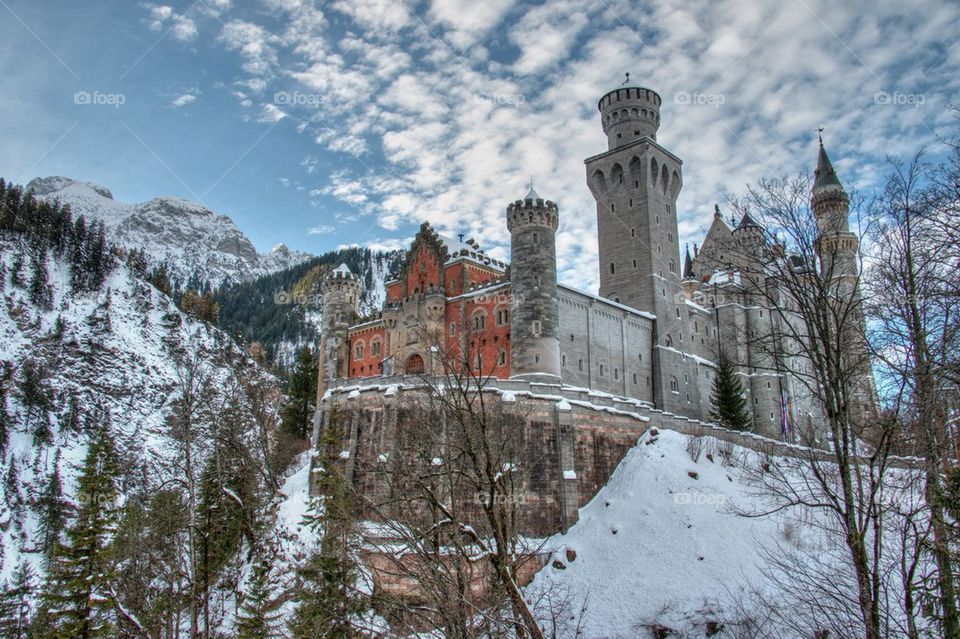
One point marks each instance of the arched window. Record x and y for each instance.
(502, 358)
(601, 370)
(503, 317)
(478, 320)
(613, 268)
(375, 347)
(358, 351)
(674, 385)
(668, 341)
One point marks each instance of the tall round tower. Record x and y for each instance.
(341, 298)
(628, 114)
(535, 321)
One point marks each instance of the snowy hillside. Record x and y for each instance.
(190, 239)
(125, 349)
(666, 546)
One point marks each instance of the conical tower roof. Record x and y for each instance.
(688, 265)
(825, 176)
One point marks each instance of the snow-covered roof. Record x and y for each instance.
(622, 307)
(457, 250)
(724, 277)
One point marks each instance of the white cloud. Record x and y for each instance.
(184, 99)
(164, 18)
(377, 15)
(321, 229)
(253, 42)
(468, 20)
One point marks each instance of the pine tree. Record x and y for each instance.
(15, 604)
(77, 598)
(6, 422)
(12, 496)
(729, 404)
(327, 600)
(52, 508)
(297, 413)
(16, 277)
(40, 292)
(259, 615)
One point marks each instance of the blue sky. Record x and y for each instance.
(352, 121)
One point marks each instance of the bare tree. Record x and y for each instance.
(446, 503)
(914, 300)
(805, 271)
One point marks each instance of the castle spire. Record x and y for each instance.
(825, 177)
(688, 265)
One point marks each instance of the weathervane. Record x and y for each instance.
(627, 81)
(820, 134)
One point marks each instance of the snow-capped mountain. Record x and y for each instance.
(195, 243)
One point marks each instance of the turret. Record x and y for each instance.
(341, 298)
(535, 319)
(830, 204)
(629, 113)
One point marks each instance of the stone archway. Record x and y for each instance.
(414, 365)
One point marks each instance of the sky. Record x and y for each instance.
(351, 122)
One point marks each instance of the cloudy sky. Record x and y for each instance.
(322, 124)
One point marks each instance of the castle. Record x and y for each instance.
(653, 332)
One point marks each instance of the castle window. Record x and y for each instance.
(633, 232)
(686, 378)
(453, 328)
(580, 364)
(601, 370)
(636, 184)
(616, 373)
(658, 219)
(563, 361)
(536, 238)
(478, 321)
(696, 329)
(678, 311)
(621, 178)
(688, 398)
(571, 337)
(502, 358)
(631, 199)
(670, 237)
(536, 358)
(634, 263)
(503, 317)
(668, 341)
(479, 362)
(640, 357)
(659, 250)
(613, 207)
(358, 351)
(536, 328)
(375, 347)
(674, 385)
(681, 337)
(613, 268)
(756, 401)
(673, 266)
(668, 209)
(768, 384)
(634, 378)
